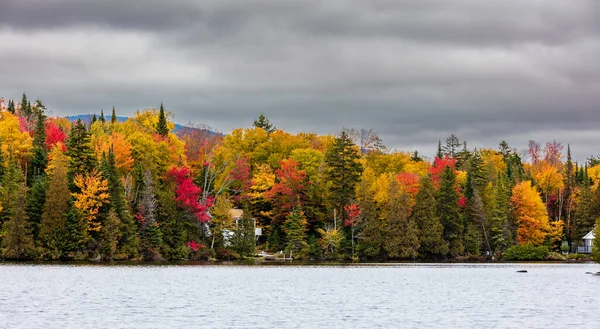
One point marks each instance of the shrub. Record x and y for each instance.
(525, 252)
(226, 254)
(577, 256)
(555, 256)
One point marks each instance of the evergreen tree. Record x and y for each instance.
(80, 152)
(35, 203)
(40, 153)
(569, 183)
(94, 119)
(477, 171)
(596, 245)
(372, 234)
(161, 127)
(264, 123)
(476, 232)
(401, 236)
(128, 243)
(429, 224)
(110, 233)
(11, 106)
(53, 230)
(500, 232)
(102, 119)
(343, 171)
(244, 240)
(25, 110)
(452, 146)
(585, 215)
(295, 233)
(113, 118)
(463, 157)
(18, 241)
(449, 213)
(439, 154)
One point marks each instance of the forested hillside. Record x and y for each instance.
(133, 189)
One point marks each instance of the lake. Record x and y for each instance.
(355, 296)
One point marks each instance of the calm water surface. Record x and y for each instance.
(386, 296)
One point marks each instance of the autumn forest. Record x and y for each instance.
(144, 189)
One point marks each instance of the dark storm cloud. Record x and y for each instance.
(414, 70)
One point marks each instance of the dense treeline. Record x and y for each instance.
(112, 190)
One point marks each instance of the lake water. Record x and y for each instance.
(385, 296)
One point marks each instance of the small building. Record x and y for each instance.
(236, 216)
(588, 243)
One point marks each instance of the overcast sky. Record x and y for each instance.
(415, 71)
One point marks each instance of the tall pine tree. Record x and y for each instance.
(431, 230)
(18, 241)
(449, 212)
(401, 236)
(161, 127)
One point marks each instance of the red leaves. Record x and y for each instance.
(188, 195)
(241, 175)
(410, 182)
(193, 245)
(54, 135)
(438, 167)
(290, 187)
(353, 212)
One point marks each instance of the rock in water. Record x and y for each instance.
(522, 271)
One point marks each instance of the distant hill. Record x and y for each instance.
(88, 117)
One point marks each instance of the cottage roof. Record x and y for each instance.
(589, 236)
(236, 213)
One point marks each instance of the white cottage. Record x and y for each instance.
(588, 243)
(236, 216)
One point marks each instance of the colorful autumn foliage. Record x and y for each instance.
(187, 194)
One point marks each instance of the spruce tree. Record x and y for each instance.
(343, 171)
(18, 241)
(569, 183)
(452, 146)
(25, 110)
(429, 224)
(40, 153)
(12, 179)
(102, 119)
(439, 154)
(161, 127)
(585, 215)
(295, 233)
(113, 118)
(80, 152)
(401, 236)
(110, 233)
(11, 106)
(243, 239)
(94, 119)
(128, 243)
(53, 227)
(449, 213)
(35, 203)
(500, 232)
(264, 123)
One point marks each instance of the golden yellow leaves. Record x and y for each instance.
(92, 196)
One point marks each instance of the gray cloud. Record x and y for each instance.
(415, 71)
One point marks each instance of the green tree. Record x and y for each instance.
(80, 152)
(501, 233)
(18, 241)
(12, 179)
(449, 213)
(584, 213)
(53, 230)
(161, 127)
(40, 153)
(113, 118)
(129, 242)
(110, 233)
(596, 246)
(295, 232)
(243, 239)
(25, 110)
(102, 118)
(343, 171)
(401, 236)
(35, 203)
(94, 119)
(264, 123)
(11, 106)
(431, 230)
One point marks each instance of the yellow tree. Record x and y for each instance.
(94, 193)
(530, 214)
(19, 142)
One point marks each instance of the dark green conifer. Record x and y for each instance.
(431, 230)
(264, 123)
(113, 118)
(35, 203)
(80, 152)
(17, 243)
(449, 213)
(161, 127)
(40, 153)
(11, 106)
(401, 236)
(102, 119)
